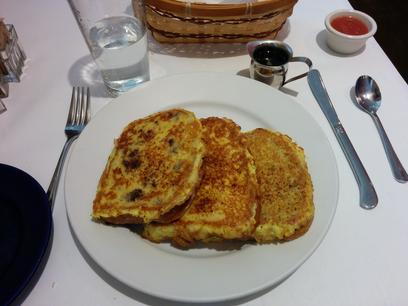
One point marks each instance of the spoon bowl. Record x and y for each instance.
(368, 97)
(368, 94)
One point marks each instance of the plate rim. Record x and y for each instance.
(253, 290)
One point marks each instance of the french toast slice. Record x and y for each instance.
(285, 186)
(225, 204)
(152, 171)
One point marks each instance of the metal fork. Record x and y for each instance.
(78, 117)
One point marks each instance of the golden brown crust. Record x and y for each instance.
(176, 212)
(226, 201)
(122, 219)
(300, 231)
(153, 168)
(285, 186)
(203, 180)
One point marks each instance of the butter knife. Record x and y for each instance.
(368, 196)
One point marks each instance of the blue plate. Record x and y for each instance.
(25, 231)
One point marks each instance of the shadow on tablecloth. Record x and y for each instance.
(84, 72)
(321, 42)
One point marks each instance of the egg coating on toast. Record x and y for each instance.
(225, 204)
(285, 186)
(152, 170)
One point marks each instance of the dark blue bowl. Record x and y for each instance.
(25, 231)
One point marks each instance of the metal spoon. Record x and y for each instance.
(368, 97)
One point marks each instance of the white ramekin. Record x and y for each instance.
(344, 43)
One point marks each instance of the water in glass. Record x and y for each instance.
(119, 47)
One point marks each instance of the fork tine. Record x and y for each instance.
(84, 106)
(81, 111)
(78, 106)
(88, 106)
(71, 113)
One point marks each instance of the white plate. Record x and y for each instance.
(198, 275)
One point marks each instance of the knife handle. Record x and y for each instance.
(368, 195)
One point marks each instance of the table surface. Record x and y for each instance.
(363, 258)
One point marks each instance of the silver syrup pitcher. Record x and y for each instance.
(270, 60)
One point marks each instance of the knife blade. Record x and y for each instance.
(368, 195)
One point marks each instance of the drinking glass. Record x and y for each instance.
(116, 37)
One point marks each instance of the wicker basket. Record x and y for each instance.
(173, 21)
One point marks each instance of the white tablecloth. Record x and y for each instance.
(362, 260)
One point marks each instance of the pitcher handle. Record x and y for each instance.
(302, 59)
